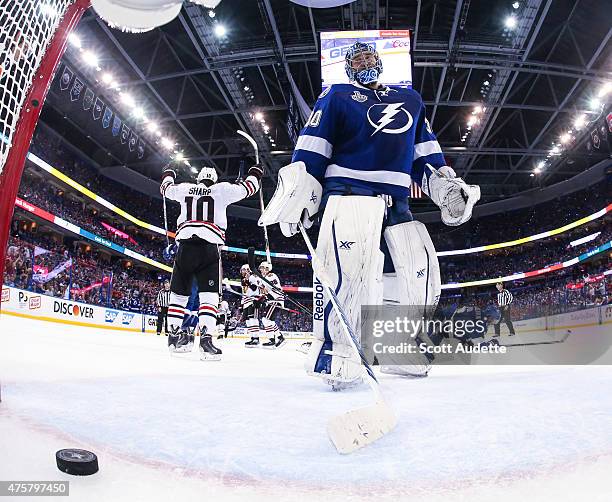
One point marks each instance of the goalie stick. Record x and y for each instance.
(356, 428)
(255, 270)
(250, 139)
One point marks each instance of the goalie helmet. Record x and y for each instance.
(362, 63)
(265, 266)
(207, 175)
(245, 270)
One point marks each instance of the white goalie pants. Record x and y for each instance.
(349, 249)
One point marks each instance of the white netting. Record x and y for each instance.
(26, 28)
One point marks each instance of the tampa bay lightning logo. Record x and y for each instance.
(390, 118)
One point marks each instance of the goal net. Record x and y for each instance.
(33, 36)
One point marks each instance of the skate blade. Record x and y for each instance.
(278, 346)
(210, 357)
(251, 346)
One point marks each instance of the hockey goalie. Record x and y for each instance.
(352, 168)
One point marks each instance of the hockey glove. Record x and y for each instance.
(257, 171)
(297, 198)
(170, 252)
(168, 177)
(452, 195)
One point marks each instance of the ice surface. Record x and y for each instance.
(253, 425)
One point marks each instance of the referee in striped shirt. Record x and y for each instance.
(504, 301)
(163, 299)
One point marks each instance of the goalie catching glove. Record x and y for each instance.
(297, 198)
(452, 195)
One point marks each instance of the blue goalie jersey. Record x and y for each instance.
(378, 140)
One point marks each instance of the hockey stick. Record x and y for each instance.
(229, 289)
(250, 139)
(356, 428)
(255, 270)
(527, 344)
(166, 222)
(279, 307)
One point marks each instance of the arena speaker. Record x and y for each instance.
(137, 16)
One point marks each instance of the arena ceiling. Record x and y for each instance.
(541, 74)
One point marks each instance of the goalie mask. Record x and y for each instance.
(208, 176)
(362, 63)
(265, 267)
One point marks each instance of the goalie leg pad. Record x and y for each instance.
(415, 283)
(349, 248)
(417, 271)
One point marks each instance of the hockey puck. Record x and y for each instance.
(77, 462)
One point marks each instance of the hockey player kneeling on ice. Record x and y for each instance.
(200, 233)
(354, 162)
(271, 302)
(249, 304)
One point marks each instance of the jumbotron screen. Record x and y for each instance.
(392, 45)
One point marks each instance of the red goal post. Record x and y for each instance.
(33, 37)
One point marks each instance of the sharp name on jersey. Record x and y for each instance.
(204, 210)
(379, 140)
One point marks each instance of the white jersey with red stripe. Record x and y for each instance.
(273, 279)
(251, 289)
(204, 209)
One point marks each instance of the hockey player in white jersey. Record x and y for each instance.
(354, 161)
(250, 303)
(200, 232)
(272, 301)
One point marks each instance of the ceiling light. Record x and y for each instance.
(595, 103)
(211, 13)
(478, 109)
(486, 83)
(605, 89)
(90, 58)
(510, 22)
(259, 116)
(74, 39)
(138, 112)
(471, 121)
(127, 99)
(152, 126)
(579, 122)
(167, 143)
(516, 5)
(179, 156)
(555, 150)
(220, 30)
(565, 137)
(194, 170)
(107, 78)
(247, 88)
